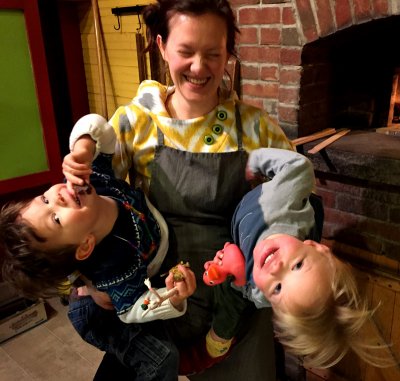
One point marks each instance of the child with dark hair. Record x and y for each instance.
(114, 237)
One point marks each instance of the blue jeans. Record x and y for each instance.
(144, 348)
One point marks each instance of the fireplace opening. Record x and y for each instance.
(347, 78)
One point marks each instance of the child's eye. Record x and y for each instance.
(44, 199)
(56, 219)
(298, 265)
(277, 289)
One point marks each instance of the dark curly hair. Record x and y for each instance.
(33, 270)
(157, 15)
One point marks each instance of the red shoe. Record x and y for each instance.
(195, 359)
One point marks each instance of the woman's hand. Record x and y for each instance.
(185, 287)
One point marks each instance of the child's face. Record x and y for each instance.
(293, 275)
(59, 218)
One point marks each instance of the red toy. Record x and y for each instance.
(228, 261)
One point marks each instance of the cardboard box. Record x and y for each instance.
(18, 314)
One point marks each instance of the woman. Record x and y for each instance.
(188, 145)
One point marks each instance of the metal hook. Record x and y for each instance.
(140, 24)
(119, 23)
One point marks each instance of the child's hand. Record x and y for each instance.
(185, 287)
(77, 164)
(255, 178)
(102, 299)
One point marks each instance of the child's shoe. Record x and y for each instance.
(196, 358)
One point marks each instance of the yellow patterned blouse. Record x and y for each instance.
(136, 128)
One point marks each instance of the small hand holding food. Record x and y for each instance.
(184, 281)
(77, 165)
(179, 288)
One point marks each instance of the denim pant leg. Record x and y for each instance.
(155, 352)
(144, 348)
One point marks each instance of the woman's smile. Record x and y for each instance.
(196, 81)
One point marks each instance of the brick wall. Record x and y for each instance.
(273, 34)
(283, 72)
(364, 216)
(358, 178)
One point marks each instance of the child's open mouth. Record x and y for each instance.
(80, 190)
(268, 257)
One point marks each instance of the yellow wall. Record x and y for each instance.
(121, 76)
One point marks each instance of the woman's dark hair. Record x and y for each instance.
(33, 271)
(157, 16)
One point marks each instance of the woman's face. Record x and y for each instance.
(196, 54)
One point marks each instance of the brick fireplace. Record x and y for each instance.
(316, 64)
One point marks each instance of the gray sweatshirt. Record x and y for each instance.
(280, 205)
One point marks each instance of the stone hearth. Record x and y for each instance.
(358, 177)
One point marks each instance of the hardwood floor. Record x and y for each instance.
(52, 351)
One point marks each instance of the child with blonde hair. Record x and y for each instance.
(277, 262)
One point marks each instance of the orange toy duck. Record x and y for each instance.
(228, 261)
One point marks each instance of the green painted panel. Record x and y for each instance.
(22, 148)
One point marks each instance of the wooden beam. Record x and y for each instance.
(329, 141)
(135, 10)
(312, 137)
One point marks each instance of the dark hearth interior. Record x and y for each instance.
(347, 77)
(347, 82)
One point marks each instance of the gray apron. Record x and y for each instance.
(197, 194)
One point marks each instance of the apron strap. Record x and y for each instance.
(160, 137)
(239, 127)
(239, 130)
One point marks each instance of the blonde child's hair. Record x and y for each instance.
(323, 337)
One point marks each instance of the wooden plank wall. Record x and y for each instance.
(379, 278)
(120, 64)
